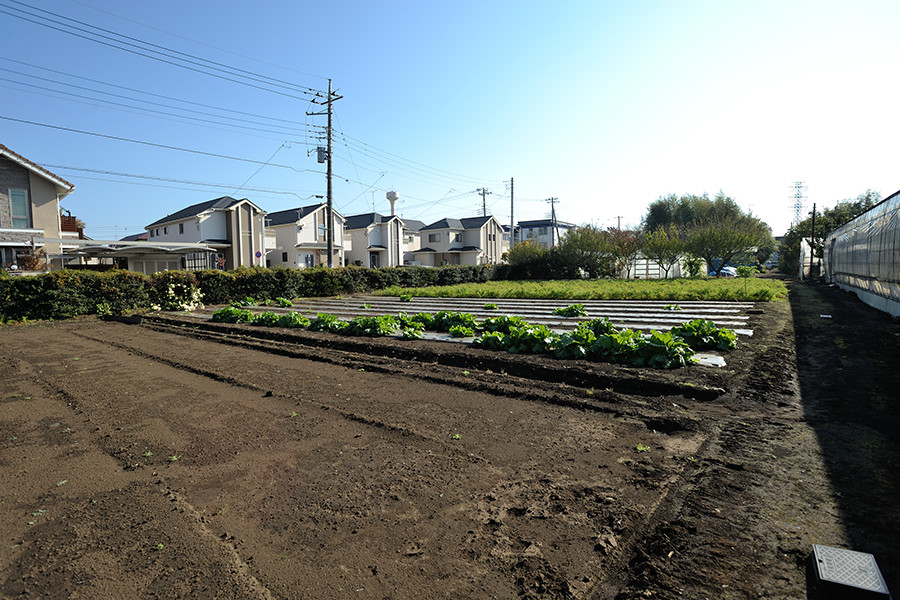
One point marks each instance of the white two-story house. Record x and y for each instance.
(233, 229)
(29, 210)
(297, 237)
(470, 241)
(542, 231)
(375, 240)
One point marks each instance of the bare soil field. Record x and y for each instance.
(177, 459)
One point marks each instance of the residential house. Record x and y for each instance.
(231, 230)
(297, 237)
(375, 240)
(412, 240)
(29, 210)
(470, 241)
(542, 231)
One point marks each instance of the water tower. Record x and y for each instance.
(392, 198)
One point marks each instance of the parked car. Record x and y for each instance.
(725, 272)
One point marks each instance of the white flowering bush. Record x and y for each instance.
(181, 296)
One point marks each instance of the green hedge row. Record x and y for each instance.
(68, 293)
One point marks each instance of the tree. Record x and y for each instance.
(664, 245)
(526, 252)
(826, 222)
(716, 230)
(529, 260)
(683, 212)
(624, 244)
(721, 239)
(584, 248)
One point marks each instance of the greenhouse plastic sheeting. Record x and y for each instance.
(864, 255)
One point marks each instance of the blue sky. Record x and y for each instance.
(603, 105)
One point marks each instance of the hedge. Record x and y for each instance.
(69, 293)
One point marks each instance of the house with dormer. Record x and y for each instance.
(297, 237)
(30, 212)
(469, 241)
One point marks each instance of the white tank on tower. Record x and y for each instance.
(392, 198)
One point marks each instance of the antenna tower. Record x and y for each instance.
(798, 197)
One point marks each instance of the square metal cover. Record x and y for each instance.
(846, 567)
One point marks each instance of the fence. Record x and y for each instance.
(863, 255)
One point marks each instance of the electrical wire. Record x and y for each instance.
(170, 60)
(232, 52)
(155, 145)
(155, 95)
(167, 179)
(153, 112)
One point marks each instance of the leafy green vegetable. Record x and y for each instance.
(701, 334)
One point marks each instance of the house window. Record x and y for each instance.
(457, 237)
(434, 237)
(543, 231)
(181, 228)
(284, 257)
(21, 217)
(157, 232)
(151, 233)
(165, 230)
(492, 237)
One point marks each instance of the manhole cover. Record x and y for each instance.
(846, 567)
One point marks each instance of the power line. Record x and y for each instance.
(373, 151)
(155, 95)
(232, 52)
(155, 145)
(224, 71)
(153, 112)
(166, 179)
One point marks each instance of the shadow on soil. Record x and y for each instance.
(848, 358)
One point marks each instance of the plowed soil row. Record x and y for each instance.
(169, 459)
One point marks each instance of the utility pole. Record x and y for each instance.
(812, 243)
(484, 192)
(619, 226)
(554, 229)
(512, 214)
(329, 211)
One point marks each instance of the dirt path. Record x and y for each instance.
(312, 466)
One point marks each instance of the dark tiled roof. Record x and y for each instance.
(467, 223)
(542, 223)
(137, 237)
(291, 215)
(195, 209)
(366, 219)
(475, 222)
(424, 250)
(16, 157)
(413, 224)
(445, 224)
(363, 220)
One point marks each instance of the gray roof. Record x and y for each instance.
(543, 223)
(366, 219)
(192, 211)
(413, 224)
(467, 223)
(291, 215)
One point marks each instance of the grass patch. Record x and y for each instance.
(731, 289)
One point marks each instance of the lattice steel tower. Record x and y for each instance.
(798, 197)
